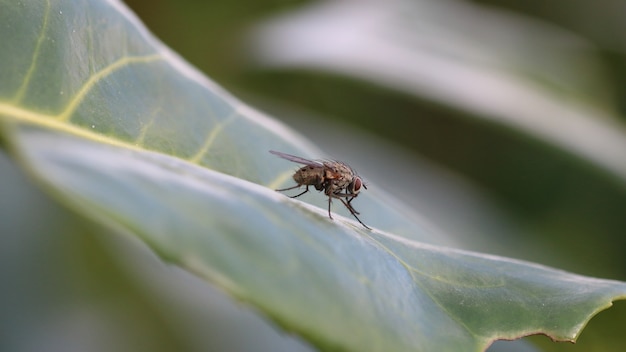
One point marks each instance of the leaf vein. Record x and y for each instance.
(213, 133)
(66, 115)
(19, 95)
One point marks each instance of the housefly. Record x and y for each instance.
(335, 178)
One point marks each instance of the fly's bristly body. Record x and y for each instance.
(336, 179)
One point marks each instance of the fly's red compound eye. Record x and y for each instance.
(357, 185)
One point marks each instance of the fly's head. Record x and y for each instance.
(355, 186)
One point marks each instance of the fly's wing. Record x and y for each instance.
(297, 159)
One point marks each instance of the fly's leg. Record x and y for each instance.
(296, 186)
(329, 200)
(350, 206)
(350, 197)
(353, 212)
(286, 189)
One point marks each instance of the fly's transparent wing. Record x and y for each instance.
(297, 159)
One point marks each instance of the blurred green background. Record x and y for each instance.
(501, 123)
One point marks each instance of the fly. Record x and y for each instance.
(336, 179)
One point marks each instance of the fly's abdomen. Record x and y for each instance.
(308, 175)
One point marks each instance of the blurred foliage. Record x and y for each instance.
(600, 22)
(63, 285)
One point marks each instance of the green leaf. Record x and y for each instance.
(122, 130)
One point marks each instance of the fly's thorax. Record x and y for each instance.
(341, 174)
